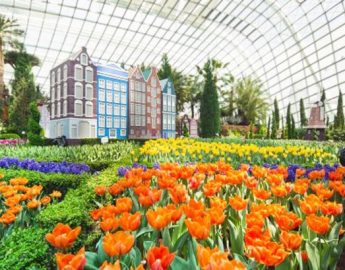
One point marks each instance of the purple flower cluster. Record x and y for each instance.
(121, 171)
(44, 167)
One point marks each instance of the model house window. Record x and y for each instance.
(154, 122)
(101, 121)
(101, 83)
(52, 113)
(83, 60)
(148, 99)
(154, 92)
(64, 90)
(109, 122)
(132, 107)
(123, 110)
(123, 98)
(158, 120)
(116, 122)
(89, 109)
(93, 130)
(53, 78)
(101, 131)
(117, 97)
(109, 108)
(112, 133)
(101, 108)
(58, 75)
(153, 111)
(109, 96)
(89, 74)
(109, 85)
(74, 131)
(123, 132)
(52, 98)
(58, 109)
(89, 92)
(131, 96)
(64, 72)
(143, 122)
(132, 120)
(65, 108)
(149, 109)
(58, 92)
(148, 89)
(116, 86)
(116, 109)
(123, 122)
(78, 73)
(132, 131)
(101, 94)
(137, 121)
(143, 87)
(173, 104)
(158, 110)
(148, 120)
(153, 82)
(78, 91)
(164, 100)
(154, 102)
(78, 108)
(123, 87)
(164, 121)
(137, 86)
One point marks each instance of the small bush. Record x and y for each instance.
(9, 136)
(90, 141)
(49, 181)
(26, 249)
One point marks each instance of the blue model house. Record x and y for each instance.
(112, 102)
(168, 109)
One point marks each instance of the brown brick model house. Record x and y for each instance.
(73, 97)
(137, 104)
(153, 103)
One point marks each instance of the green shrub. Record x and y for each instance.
(9, 136)
(26, 249)
(337, 135)
(49, 181)
(90, 141)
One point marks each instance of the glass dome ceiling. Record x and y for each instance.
(295, 47)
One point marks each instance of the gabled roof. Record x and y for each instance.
(163, 83)
(112, 70)
(146, 73)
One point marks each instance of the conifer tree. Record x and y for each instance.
(268, 135)
(276, 113)
(274, 127)
(34, 129)
(303, 118)
(288, 122)
(339, 118)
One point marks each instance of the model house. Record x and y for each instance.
(137, 104)
(153, 103)
(112, 101)
(168, 109)
(73, 97)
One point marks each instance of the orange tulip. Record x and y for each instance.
(178, 194)
(109, 266)
(320, 225)
(7, 218)
(63, 236)
(287, 221)
(158, 218)
(291, 241)
(199, 227)
(332, 208)
(159, 258)
(45, 200)
(19, 181)
(211, 188)
(176, 213)
(304, 255)
(109, 224)
(100, 190)
(55, 194)
(238, 203)
(123, 205)
(262, 194)
(204, 255)
(150, 197)
(33, 204)
(115, 189)
(270, 254)
(15, 209)
(194, 209)
(70, 261)
(217, 216)
(117, 244)
(217, 202)
(130, 222)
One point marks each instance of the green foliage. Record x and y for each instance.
(185, 131)
(268, 135)
(251, 132)
(300, 133)
(26, 249)
(209, 107)
(303, 118)
(9, 136)
(336, 134)
(49, 181)
(323, 97)
(289, 122)
(194, 86)
(293, 127)
(274, 127)
(276, 113)
(165, 71)
(34, 129)
(339, 118)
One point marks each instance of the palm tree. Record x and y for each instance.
(9, 33)
(194, 88)
(250, 100)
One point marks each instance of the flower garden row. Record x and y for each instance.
(211, 216)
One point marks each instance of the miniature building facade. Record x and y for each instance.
(153, 103)
(73, 97)
(137, 104)
(168, 109)
(112, 101)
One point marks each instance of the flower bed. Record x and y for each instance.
(11, 141)
(44, 167)
(211, 216)
(191, 150)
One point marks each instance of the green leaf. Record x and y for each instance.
(191, 254)
(179, 264)
(102, 256)
(91, 261)
(166, 237)
(285, 264)
(148, 245)
(325, 254)
(180, 242)
(313, 256)
(143, 231)
(135, 201)
(334, 233)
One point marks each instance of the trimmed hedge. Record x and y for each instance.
(9, 136)
(26, 249)
(49, 181)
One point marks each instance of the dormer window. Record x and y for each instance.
(83, 59)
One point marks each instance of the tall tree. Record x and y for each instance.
(339, 118)
(276, 113)
(323, 97)
(250, 100)
(194, 88)
(288, 122)
(274, 127)
(165, 70)
(293, 127)
(209, 107)
(283, 129)
(268, 135)
(34, 129)
(9, 32)
(303, 118)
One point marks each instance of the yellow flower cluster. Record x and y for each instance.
(182, 149)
